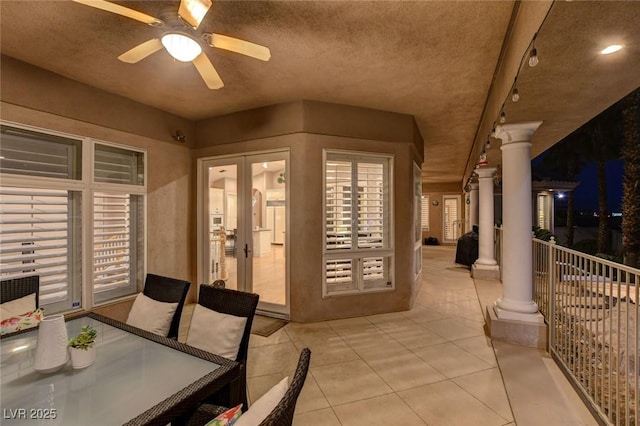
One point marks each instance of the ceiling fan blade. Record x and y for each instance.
(208, 72)
(193, 11)
(239, 46)
(141, 51)
(121, 10)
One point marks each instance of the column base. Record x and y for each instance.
(525, 333)
(485, 272)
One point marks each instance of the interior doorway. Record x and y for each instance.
(451, 220)
(245, 210)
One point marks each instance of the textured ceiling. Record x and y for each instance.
(433, 60)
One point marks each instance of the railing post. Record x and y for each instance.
(551, 321)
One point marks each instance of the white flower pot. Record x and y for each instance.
(81, 358)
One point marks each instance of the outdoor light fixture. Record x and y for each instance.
(181, 46)
(515, 96)
(611, 49)
(503, 117)
(533, 57)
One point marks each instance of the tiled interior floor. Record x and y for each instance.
(431, 365)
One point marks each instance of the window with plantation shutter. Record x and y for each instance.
(25, 152)
(117, 165)
(358, 254)
(40, 231)
(43, 225)
(425, 212)
(115, 245)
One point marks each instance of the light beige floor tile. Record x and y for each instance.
(348, 323)
(311, 398)
(420, 313)
(537, 389)
(453, 329)
(328, 351)
(258, 386)
(358, 333)
(479, 346)
(278, 337)
(349, 381)
(375, 347)
(272, 359)
(446, 404)
(405, 370)
(451, 360)
(304, 333)
(378, 411)
(383, 318)
(415, 336)
(324, 417)
(487, 386)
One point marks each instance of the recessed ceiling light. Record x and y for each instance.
(611, 49)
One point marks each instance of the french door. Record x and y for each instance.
(451, 221)
(243, 224)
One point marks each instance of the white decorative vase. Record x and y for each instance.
(81, 358)
(51, 351)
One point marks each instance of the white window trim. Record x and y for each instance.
(87, 186)
(355, 254)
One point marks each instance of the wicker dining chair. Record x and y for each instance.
(168, 290)
(239, 304)
(16, 288)
(281, 415)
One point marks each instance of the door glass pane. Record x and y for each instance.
(223, 225)
(268, 213)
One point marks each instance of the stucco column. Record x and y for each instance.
(486, 266)
(517, 302)
(473, 205)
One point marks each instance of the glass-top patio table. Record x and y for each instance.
(138, 378)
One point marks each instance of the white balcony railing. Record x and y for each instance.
(591, 308)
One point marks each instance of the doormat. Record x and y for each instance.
(266, 326)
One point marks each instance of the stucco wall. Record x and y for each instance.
(306, 137)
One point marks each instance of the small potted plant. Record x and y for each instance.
(82, 347)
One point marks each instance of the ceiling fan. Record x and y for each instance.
(179, 44)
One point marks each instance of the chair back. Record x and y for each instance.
(239, 304)
(232, 302)
(282, 415)
(16, 288)
(168, 290)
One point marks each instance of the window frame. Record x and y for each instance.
(356, 255)
(87, 187)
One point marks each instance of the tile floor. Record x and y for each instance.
(432, 365)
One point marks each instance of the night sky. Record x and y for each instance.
(586, 194)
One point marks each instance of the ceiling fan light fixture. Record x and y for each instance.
(611, 49)
(193, 11)
(181, 46)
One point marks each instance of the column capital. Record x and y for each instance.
(485, 172)
(474, 186)
(516, 132)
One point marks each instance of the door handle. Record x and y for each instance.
(247, 250)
